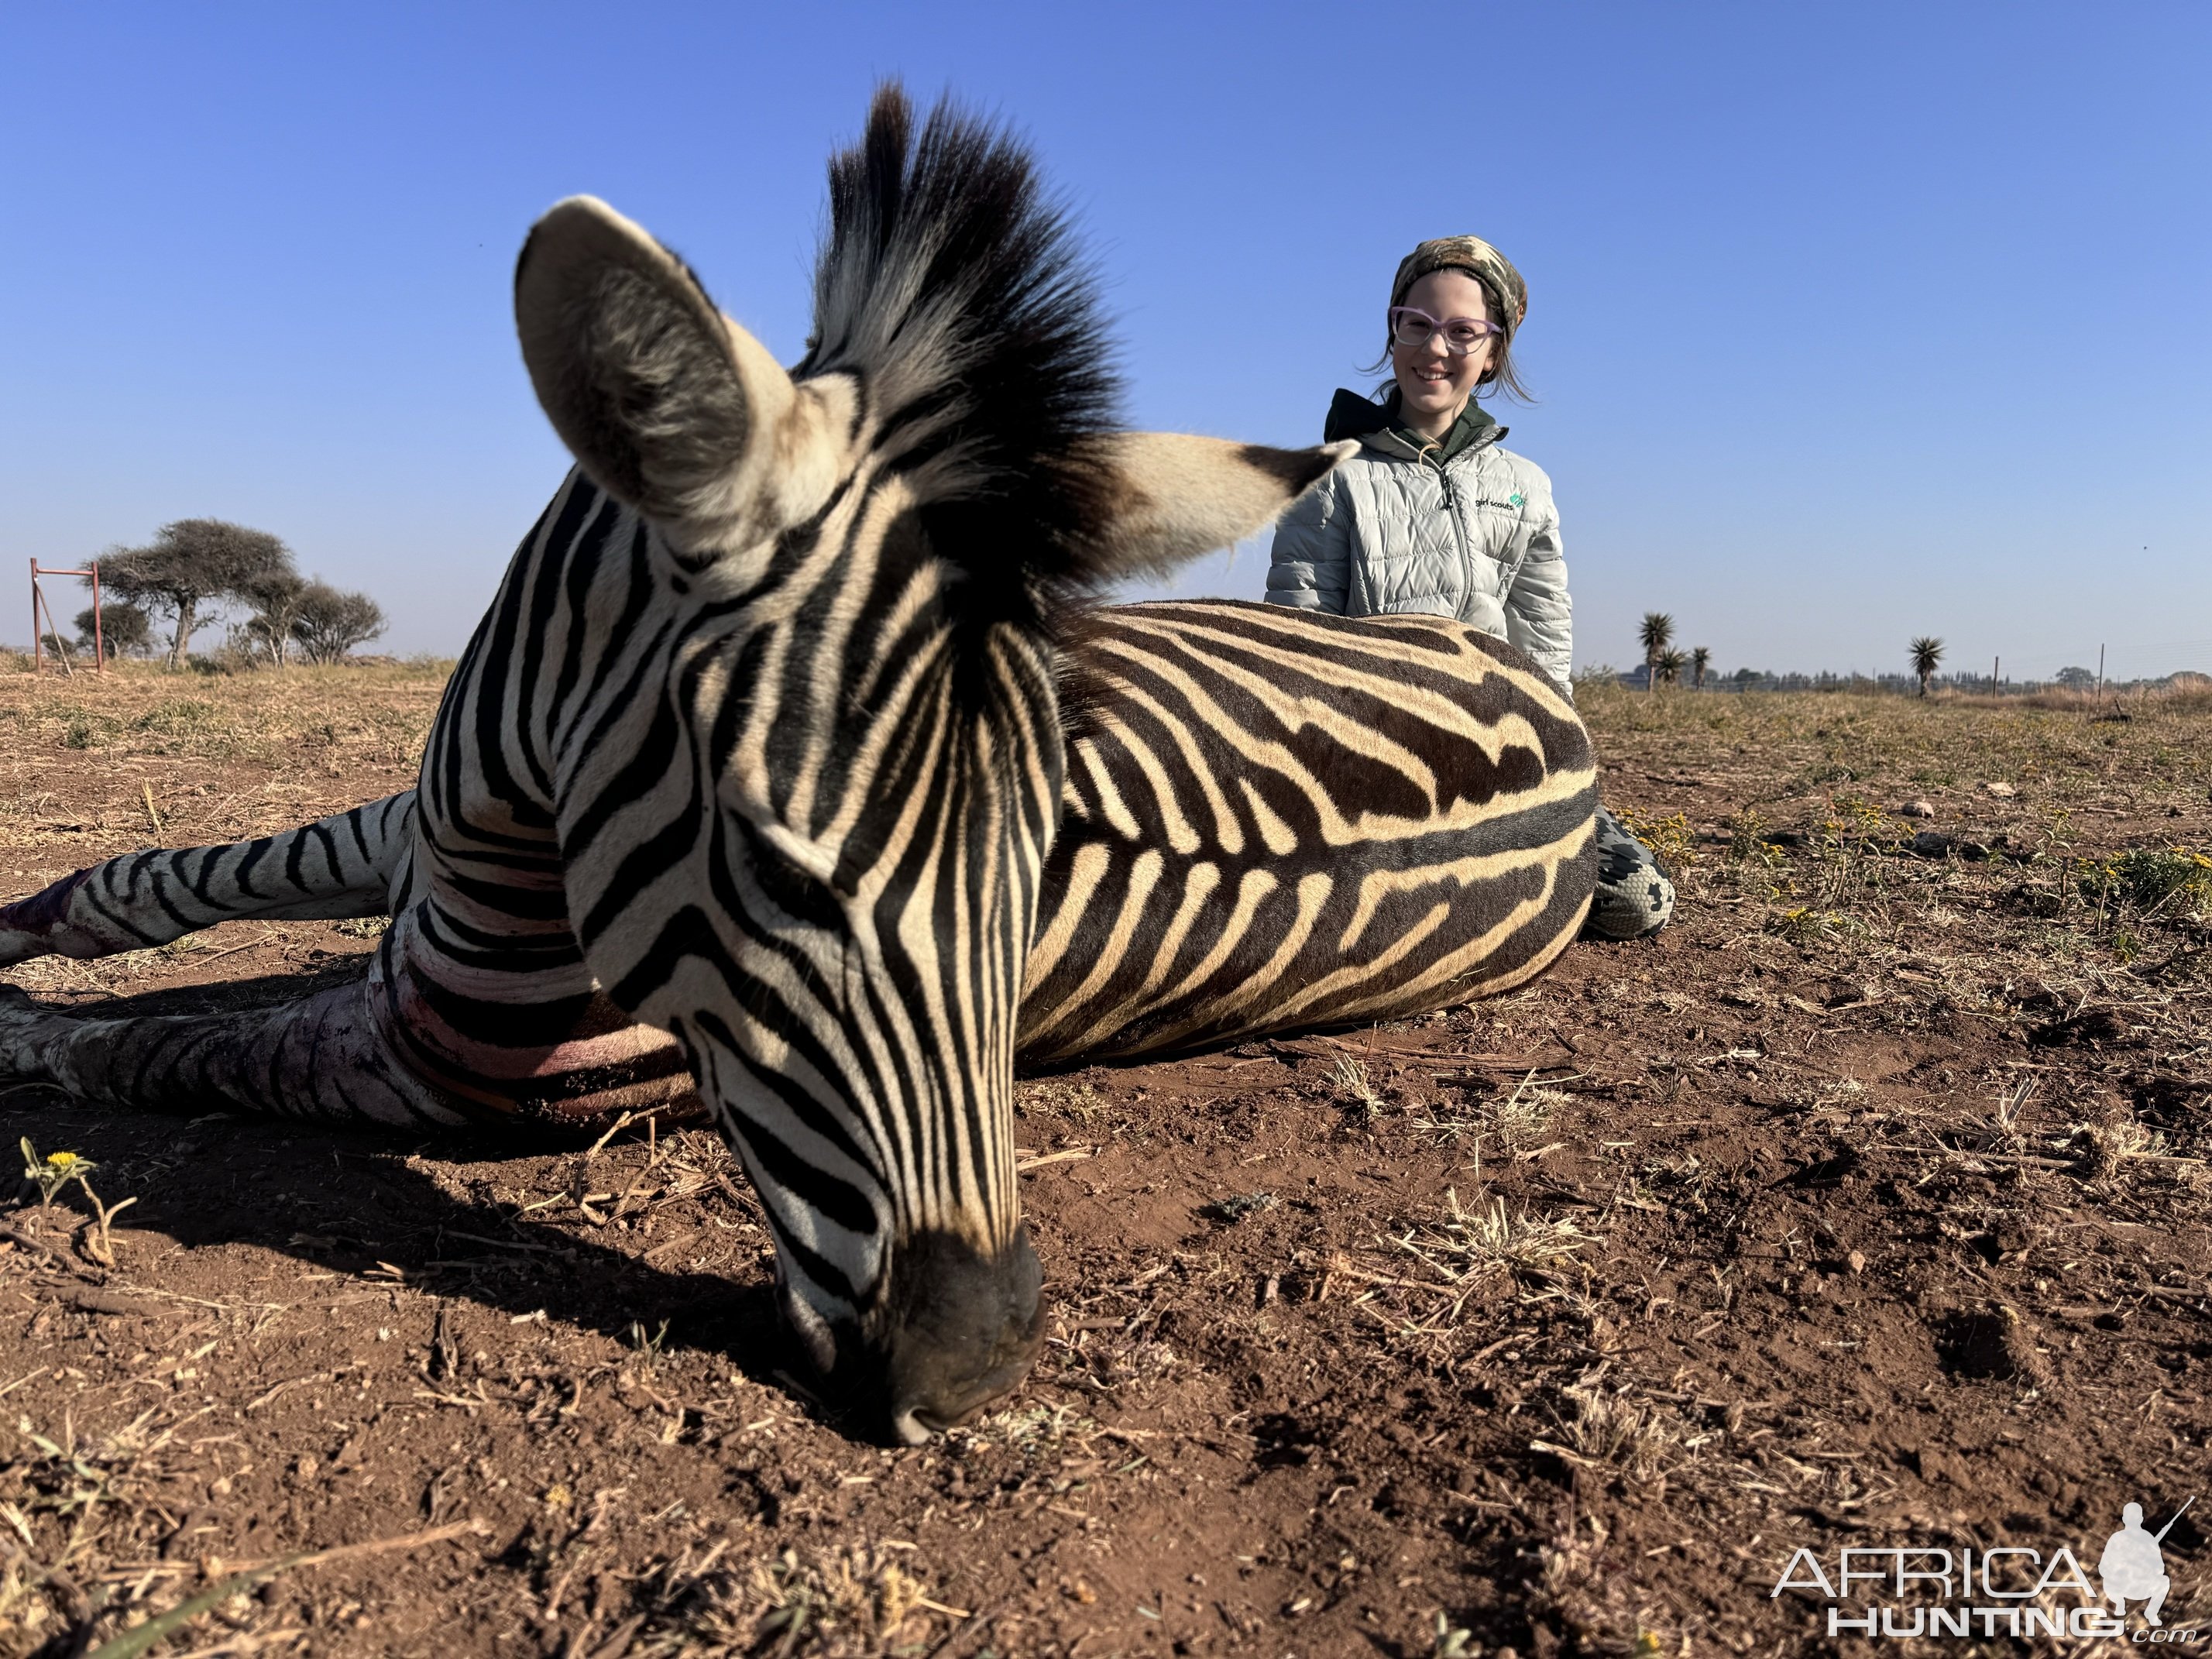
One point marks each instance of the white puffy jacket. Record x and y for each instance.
(1476, 537)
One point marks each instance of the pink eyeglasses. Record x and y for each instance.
(1412, 326)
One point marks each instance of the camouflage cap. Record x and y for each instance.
(1471, 253)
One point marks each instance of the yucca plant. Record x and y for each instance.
(1671, 662)
(1927, 656)
(1658, 633)
(1700, 659)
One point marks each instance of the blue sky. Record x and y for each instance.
(1848, 322)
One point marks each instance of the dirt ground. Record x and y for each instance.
(1863, 1208)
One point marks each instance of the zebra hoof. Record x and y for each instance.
(29, 926)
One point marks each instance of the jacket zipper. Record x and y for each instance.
(1459, 530)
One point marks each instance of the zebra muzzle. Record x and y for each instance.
(962, 1329)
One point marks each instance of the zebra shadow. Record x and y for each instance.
(446, 1215)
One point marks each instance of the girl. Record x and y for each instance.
(1432, 516)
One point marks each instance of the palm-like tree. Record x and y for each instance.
(1657, 634)
(1700, 659)
(1927, 656)
(1668, 669)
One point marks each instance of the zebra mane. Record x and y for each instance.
(951, 287)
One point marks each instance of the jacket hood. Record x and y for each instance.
(1351, 415)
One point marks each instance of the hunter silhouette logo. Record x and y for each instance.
(2006, 1590)
(2131, 1566)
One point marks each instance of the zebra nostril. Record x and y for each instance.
(909, 1430)
(914, 1421)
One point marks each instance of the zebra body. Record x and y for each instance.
(1277, 818)
(1270, 818)
(748, 779)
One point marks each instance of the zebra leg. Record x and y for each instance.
(319, 1057)
(359, 863)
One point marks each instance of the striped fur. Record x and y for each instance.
(1270, 818)
(748, 781)
(355, 863)
(1276, 818)
(760, 746)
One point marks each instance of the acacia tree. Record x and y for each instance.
(276, 598)
(331, 623)
(1927, 657)
(1700, 659)
(125, 630)
(192, 563)
(1658, 633)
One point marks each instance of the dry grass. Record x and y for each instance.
(1517, 1121)
(1349, 1082)
(864, 1601)
(140, 709)
(1462, 1247)
(1643, 1222)
(2047, 748)
(2087, 840)
(1613, 1432)
(1057, 1097)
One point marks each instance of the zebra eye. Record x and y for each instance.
(783, 884)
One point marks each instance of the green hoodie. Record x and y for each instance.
(1351, 415)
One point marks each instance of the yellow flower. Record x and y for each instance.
(54, 1171)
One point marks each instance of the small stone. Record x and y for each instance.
(1856, 1262)
(1916, 809)
(2002, 790)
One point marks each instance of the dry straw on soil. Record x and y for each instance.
(1864, 1207)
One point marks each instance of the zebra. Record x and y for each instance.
(746, 787)
(1269, 819)
(1275, 818)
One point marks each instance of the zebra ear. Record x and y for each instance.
(665, 402)
(1179, 496)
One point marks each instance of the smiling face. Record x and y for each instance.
(1433, 386)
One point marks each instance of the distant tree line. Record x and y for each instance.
(1762, 680)
(196, 570)
(1665, 664)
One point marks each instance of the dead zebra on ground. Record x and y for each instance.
(790, 773)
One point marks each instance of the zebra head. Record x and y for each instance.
(844, 676)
